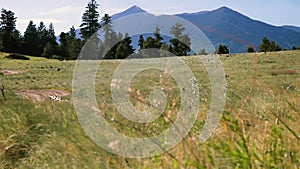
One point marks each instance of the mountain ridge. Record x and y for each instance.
(231, 28)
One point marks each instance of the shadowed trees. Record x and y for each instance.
(9, 35)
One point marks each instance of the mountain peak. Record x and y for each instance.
(135, 9)
(130, 11)
(224, 8)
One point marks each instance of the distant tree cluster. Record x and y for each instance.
(296, 48)
(269, 46)
(36, 41)
(179, 45)
(222, 49)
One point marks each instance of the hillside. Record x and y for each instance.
(293, 28)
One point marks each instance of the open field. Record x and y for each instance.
(260, 127)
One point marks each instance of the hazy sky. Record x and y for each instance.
(65, 13)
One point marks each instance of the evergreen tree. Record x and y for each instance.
(264, 47)
(141, 42)
(250, 49)
(90, 24)
(74, 48)
(49, 50)
(31, 40)
(180, 45)
(108, 46)
(158, 37)
(267, 46)
(274, 47)
(51, 35)
(70, 46)
(177, 30)
(9, 36)
(222, 49)
(73, 32)
(149, 43)
(124, 48)
(42, 38)
(63, 47)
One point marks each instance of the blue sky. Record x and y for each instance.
(65, 13)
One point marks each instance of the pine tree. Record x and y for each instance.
(70, 46)
(64, 45)
(177, 30)
(180, 45)
(264, 47)
(75, 44)
(31, 40)
(124, 48)
(150, 44)
(108, 46)
(158, 37)
(42, 38)
(48, 37)
(51, 35)
(141, 42)
(49, 50)
(90, 24)
(9, 36)
(222, 49)
(73, 32)
(269, 46)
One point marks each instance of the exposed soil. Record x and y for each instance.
(12, 72)
(43, 95)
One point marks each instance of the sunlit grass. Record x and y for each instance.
(259, 129)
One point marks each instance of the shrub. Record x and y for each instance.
(16, 56)
(250, 49)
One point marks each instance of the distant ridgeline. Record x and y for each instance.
(227, 30)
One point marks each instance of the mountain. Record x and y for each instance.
(290, 27)
(237, 31)
(132, 10)
(221, 26)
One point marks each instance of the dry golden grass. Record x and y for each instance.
(259, 129)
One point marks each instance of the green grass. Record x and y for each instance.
(260, 127)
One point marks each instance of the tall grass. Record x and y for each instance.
(259, 129)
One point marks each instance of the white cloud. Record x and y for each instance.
(61, 10)
(37, 21)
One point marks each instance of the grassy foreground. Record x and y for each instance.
(260, 127)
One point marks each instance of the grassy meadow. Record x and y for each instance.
(259, 129)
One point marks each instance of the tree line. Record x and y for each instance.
(40, 40)
(265, 46)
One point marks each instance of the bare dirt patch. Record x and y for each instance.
(12, 72)
(43, 95)
(284, 72)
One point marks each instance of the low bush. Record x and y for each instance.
(17, 56)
